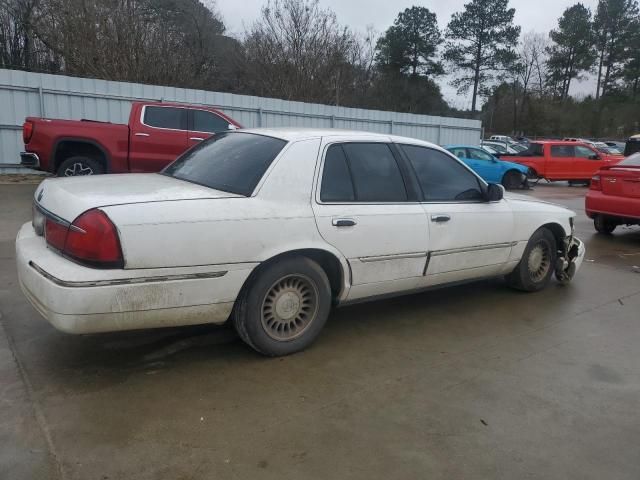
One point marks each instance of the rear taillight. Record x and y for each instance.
(27, 132)
(55, 233)
(596, 184)
(92, 239)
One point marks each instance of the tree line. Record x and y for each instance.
(298, 50)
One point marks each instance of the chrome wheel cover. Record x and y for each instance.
(539, 261)
(289, 307)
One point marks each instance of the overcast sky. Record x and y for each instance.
(531, 15)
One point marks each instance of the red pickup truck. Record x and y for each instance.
(562, 160)
(156, 134)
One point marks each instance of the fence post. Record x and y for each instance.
(439, 134)
(391, 126)
(260, 117)
(41, 97)
(333, 121)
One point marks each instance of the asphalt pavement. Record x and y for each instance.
(469, 382)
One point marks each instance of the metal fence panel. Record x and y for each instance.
(25, 94)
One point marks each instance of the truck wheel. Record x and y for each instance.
(512, 180)
(604, 224)
(282, 310)
(75, 166)
(537, 264)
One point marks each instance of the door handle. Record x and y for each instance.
(440, 218)
(196, 139)
(343, 222)
(142, 134)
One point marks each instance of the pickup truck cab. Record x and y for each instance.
(562, 160)
(157, 133)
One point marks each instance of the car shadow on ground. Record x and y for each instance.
(446, 318)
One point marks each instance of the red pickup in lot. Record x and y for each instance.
(560, 160)
(614, 196)
(156, 134)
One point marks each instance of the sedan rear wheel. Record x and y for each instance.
(284, 307)
(604, 224)
(536, 266)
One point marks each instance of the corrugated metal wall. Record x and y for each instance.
(25, 94)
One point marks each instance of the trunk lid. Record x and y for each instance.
(621, 181)
(69, 197)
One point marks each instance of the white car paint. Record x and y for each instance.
(189, 249)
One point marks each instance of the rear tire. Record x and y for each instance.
(79, 166)
(512, 180)
(283, 309)
(537, 264)
(604, 224)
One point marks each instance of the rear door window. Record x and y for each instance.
(361, 172)
(375, 173)
(336, 179)
(165, 117)
(562, 151)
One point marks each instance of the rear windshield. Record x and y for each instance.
(632, 161)
(232, 162)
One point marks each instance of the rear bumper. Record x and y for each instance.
(627, 208)
(77, 299)
(30, 160)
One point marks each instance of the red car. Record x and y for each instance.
(614, 196)
(156, 134)
(562, 160)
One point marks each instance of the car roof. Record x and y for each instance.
(293, 134)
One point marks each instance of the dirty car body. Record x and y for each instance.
(271, 228)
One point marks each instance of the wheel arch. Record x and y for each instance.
(67, 147)
(336, 268)
(558, 231)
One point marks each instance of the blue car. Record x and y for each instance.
(492, 170)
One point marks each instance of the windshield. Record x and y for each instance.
(232, 162)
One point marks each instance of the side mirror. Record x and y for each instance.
(232, 127)
(494, 193)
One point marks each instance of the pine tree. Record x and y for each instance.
(481, 43)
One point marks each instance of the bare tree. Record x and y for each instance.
(298, 51)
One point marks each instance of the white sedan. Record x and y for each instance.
(271, 228)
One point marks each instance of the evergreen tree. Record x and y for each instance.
(481, 43)
(572, 50)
